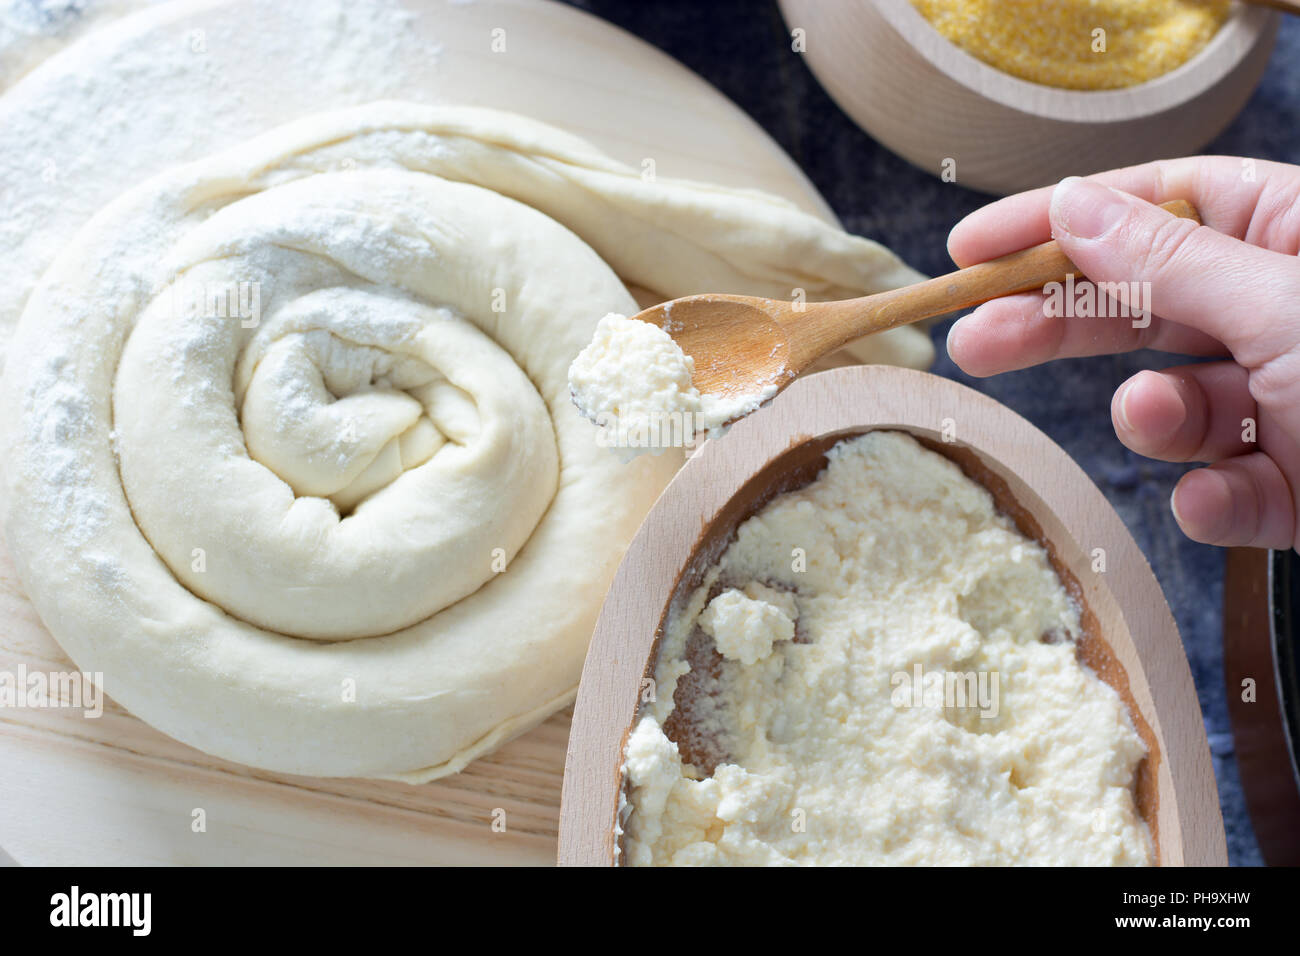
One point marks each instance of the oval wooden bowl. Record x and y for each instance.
(1130, 638)
(929, 101)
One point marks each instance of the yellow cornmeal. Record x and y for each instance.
(1053, 42)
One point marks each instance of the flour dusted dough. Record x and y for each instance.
(358, 529)
(33, 30)
(186, 79)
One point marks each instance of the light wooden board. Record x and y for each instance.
(1130, 638)
(112, 790)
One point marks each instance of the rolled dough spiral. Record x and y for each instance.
(292, 459)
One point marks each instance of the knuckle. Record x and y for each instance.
(1275, 221)
(1165, 246)
(1275, 384)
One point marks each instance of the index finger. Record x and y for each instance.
(1226, 191)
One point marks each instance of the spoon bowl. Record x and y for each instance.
(738, 343)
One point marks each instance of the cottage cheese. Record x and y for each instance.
(634, 381)
(826, 655)
(744, 628)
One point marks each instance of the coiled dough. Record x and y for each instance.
(291, 456)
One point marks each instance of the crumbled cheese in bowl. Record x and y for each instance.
(744, 628)
(880, 669)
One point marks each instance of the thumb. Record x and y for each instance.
(1238, 293)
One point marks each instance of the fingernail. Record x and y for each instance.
(1121, 406)
(1087, 210)
(1173, 506)
(954, 333)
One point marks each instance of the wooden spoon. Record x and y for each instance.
(743, 344)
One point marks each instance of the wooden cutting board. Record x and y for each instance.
(112, 790)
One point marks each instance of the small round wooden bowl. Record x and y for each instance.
(931, 102)
(1129, 639)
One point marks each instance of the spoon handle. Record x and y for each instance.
(1024, 271)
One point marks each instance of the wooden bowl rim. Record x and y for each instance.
(1246, 26)
(815, 408)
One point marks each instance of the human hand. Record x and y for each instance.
(1229, 289)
